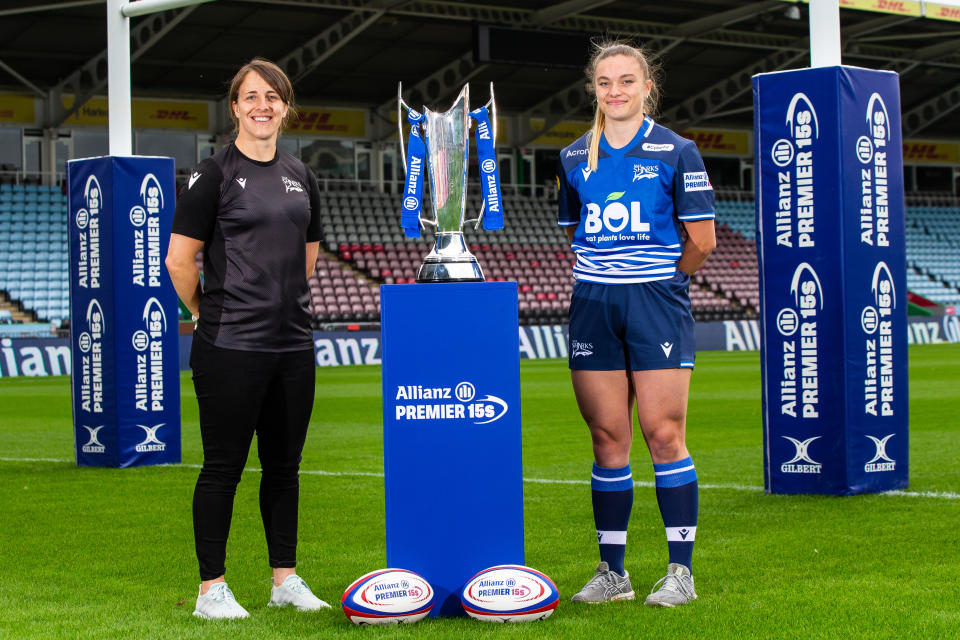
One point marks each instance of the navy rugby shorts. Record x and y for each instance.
(635, 327)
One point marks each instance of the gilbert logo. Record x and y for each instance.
(802, 455)
(880, 461)
(581, 348)
(150, 443)
(93, 444)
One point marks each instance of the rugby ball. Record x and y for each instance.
(387, 596)
(509, 593)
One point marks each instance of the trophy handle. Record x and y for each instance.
(400, 105)
(492, 107)
(403, 152)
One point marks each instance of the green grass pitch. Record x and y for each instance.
(104, 553)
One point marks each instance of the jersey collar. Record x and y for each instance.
(645, 128)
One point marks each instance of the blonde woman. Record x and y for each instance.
(636, 202)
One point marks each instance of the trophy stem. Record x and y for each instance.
(450, 261)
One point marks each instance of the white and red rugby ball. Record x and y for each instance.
(509, 593)
(388, 596)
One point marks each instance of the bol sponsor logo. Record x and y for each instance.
(148, 391)
(801, 462)
(145, 266)
(418, 402)
(877, 318)
(90, 343)
(151, 443)
(880, 460)
(614, 218)
(874, 187)
(88, 222)
(808, 300)
(488, 165)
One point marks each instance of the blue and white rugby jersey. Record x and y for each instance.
(628, 211)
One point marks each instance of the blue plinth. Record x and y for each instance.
(451, 432)
(831, 244)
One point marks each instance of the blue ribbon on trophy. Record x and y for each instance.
(413, 187)
(492, 211)
(439, 147)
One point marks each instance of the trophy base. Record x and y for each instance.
(450, 272)
(450, 261)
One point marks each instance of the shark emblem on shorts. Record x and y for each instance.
(581, 348)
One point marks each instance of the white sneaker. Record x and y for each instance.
(218, 603)
(676, 588)
(295, 591)
(605, 586)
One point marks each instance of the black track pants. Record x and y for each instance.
(241, 393)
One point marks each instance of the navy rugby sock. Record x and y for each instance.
(612, 502)
(678, 497)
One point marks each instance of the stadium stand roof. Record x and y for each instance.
(353, 52)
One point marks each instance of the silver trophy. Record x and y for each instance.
(446, 138)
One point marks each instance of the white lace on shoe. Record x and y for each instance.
(219, 603)
(295, 591)
(605, 586)
(676, 588)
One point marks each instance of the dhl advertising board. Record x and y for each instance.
(830, 234)
(123, 312)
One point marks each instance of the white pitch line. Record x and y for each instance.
(943, 495)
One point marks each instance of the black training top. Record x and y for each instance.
(255, 219)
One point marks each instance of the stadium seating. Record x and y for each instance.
(933, 244)
(363, 230)
(33, 250)
(364, 246)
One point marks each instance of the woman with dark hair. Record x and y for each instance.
(637, 206)
(254, 212)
